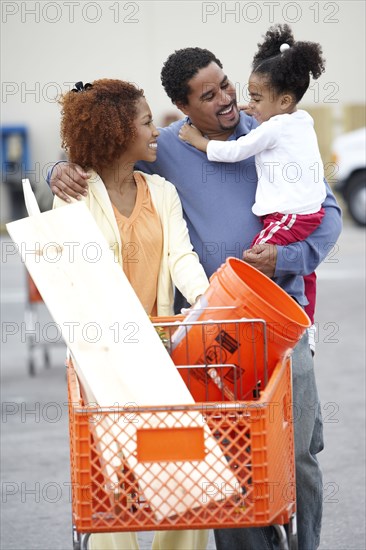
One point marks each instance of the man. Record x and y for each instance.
(217, 199)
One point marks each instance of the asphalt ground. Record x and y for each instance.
(35, 475)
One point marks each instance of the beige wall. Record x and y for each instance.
(47, 46)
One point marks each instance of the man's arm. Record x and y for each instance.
(304, 257)
(66, 178)
(300, 258)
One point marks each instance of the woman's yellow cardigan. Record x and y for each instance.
(180, 265)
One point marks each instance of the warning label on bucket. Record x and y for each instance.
(215, 354)
(227, 341)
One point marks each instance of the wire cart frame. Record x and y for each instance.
(255, 436)
(33, 340)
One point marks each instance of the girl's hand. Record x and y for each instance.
(192, 135)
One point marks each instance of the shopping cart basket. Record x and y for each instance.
(255, 437)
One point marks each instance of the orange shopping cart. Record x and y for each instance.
(110, 446)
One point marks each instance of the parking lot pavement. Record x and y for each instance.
(35, 478)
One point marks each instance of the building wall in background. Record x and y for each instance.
(48, 46)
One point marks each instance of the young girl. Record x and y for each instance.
(290, 172)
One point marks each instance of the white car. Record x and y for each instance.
(349, 154)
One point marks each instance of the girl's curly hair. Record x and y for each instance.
(288, 71)
(97, 123)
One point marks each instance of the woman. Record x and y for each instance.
(106, 127)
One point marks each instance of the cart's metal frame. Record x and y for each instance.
(32, 331)
(286, 534)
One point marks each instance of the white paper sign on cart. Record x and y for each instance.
(119, 357)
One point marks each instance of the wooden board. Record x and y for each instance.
(118, 355)
(101, 319)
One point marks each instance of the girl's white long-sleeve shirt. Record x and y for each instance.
(288, 162)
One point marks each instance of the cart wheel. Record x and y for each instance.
(84, 541)
(282, 537)
(75, 539)
(31, 368)
(80, 541)
(46, 358)
(291, 529)
(293, 544)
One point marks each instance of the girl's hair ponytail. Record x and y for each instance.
(288, 68)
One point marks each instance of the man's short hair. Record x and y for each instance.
(180, 67)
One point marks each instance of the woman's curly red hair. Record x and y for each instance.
(97, 124)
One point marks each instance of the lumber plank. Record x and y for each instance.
(118, 356)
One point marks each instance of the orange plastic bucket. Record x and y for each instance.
(238, 291)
